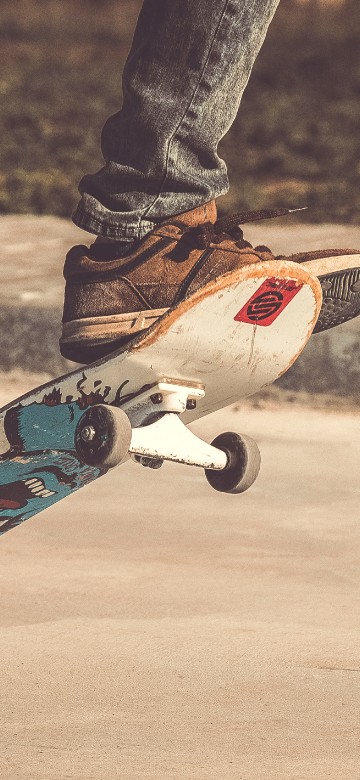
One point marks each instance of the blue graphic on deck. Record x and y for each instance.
(41, 465)
(34, 481)
(40, 427)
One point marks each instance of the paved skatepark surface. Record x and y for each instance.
(154, 629)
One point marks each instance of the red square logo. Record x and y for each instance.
(268, 301)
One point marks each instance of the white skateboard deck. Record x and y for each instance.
(225, 342)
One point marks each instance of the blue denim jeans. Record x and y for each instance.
(183, 81)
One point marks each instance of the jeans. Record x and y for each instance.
(183, 81)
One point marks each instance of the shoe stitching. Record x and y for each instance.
(185, 284)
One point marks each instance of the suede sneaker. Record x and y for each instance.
(109, 299)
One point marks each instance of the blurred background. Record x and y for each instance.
(296, 142)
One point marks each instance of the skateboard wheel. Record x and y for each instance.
(103, 436)
(243, 463)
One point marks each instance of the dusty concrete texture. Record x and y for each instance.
(153, 629)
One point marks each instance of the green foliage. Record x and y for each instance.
(296, 140)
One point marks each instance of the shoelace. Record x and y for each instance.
(228, 228)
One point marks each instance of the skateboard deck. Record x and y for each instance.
(228, 340)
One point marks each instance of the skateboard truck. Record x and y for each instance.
(148, 428)
(165, 396)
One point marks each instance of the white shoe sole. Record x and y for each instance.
(94, 331)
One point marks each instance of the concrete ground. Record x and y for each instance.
(152, 629)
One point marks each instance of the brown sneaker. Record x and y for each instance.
(109, 299)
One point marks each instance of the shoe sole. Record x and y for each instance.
(339, 276)
(341, 298)
(91, 338)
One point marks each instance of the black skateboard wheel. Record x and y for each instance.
(243, 464)
(103, 436)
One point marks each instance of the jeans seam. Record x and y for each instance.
(195, 92)
(130, 231)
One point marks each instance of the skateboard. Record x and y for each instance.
(226, 341)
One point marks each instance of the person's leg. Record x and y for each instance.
(182, 85)
(183, 82)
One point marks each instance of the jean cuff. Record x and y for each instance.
(93, 218)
